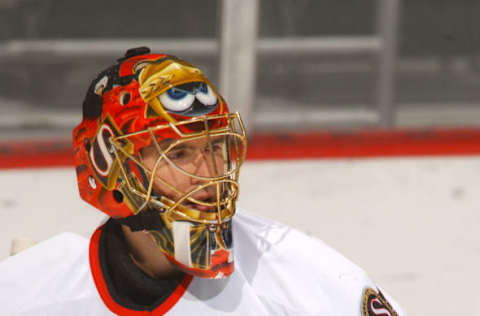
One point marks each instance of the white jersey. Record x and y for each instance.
(278, 271)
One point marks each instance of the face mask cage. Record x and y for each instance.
(191, 167)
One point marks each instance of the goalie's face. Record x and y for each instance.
(191, 184)
(185, 168)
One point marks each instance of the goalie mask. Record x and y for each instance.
(159, 151)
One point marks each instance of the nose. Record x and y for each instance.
(204, 166)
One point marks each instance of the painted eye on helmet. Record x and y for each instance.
(206, 95)
(176, 100)
(101, 85)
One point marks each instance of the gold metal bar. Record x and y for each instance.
(209, 140)
(218, 204)
(226, 185)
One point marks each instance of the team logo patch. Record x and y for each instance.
(101, 153)
(375, 304)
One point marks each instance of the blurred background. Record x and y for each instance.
(289, 66)
(285, 64)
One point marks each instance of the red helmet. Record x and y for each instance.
(159, 150)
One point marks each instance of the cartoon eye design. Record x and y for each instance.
(101, 85)
(124, 97)
(206, 95)
(176, 100)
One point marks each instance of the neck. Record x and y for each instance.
(147, 256)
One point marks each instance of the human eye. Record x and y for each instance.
(176, 155)
(218, 147)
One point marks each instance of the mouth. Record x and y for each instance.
(203, 208)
